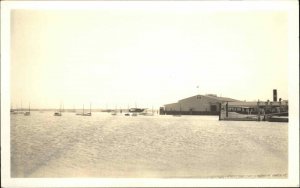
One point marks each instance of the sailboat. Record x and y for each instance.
(13, 111)
(114, 112)
(89, 113)
(17, 110)
(59, 112)
(85, 114)
(28, 112)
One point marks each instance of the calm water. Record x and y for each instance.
(43, 145)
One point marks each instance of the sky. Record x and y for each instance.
(124, 57)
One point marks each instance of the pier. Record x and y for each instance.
(254, 111)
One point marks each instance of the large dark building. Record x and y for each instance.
(197, 105)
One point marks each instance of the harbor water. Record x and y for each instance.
(106, 146)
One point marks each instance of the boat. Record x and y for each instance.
(278, 119)
(28, 112)
(137, 110)
(89, 113)
(59, 112)
(13, 112)
(116, 111)
(17, 110)
(85, 114)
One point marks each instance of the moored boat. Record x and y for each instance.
(59, 112)
(137, 110)
(85, 114)
(278, 119)
(28, 112)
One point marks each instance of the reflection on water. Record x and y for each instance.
(43, 145)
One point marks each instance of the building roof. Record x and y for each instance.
(222, 99)
(171, 104)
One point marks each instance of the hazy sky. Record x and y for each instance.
(148, 57)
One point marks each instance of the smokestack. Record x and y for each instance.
(275, 95)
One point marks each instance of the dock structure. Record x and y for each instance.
(254, 111)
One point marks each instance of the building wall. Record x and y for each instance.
(172, 107)
(199, 104)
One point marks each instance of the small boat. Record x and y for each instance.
(278, 119)
(89, 113)
(85, 114)
(13, 112)
(59, 112)
(136, 110)
(116, 111)
(28, 112)
(17, 112)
